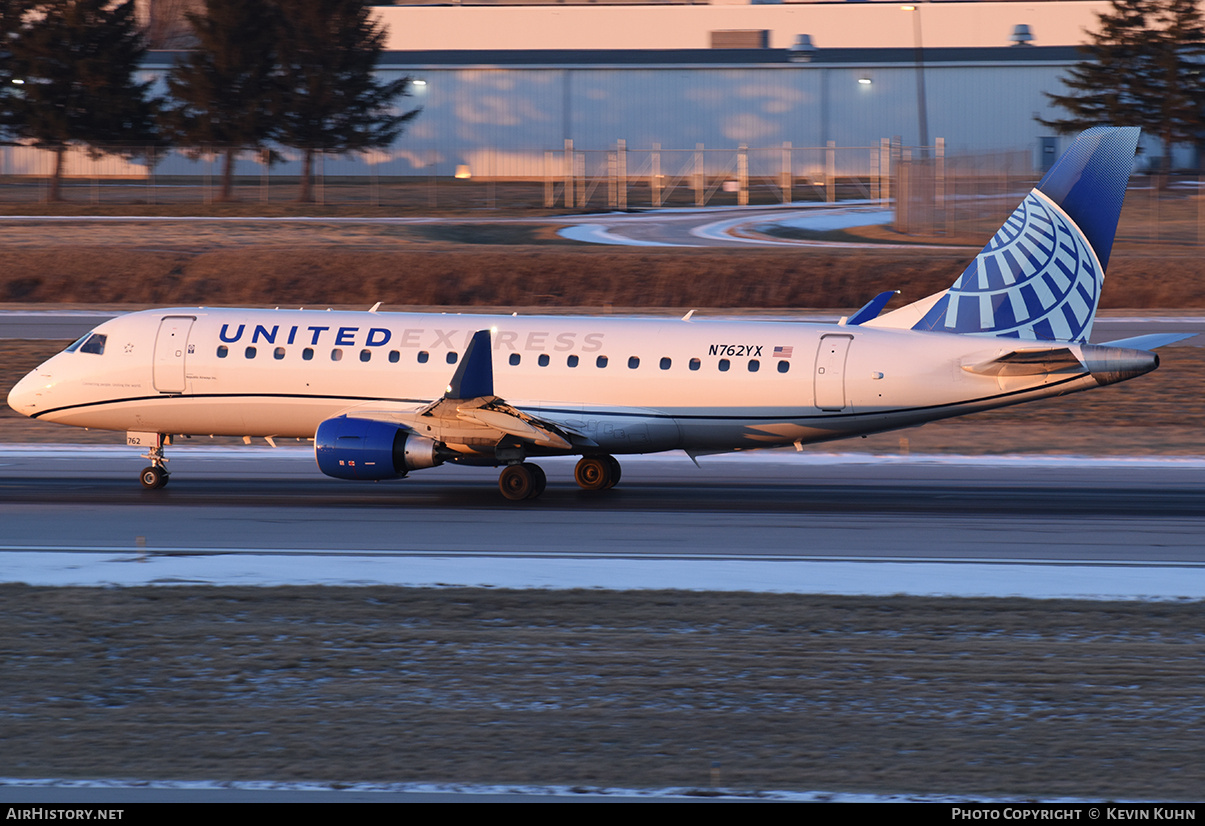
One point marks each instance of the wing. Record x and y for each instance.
(469, 417)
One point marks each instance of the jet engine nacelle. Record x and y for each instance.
(349, 448)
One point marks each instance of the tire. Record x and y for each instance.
(593, 473)
(538, 477)
(153, 477)
(616, 471)
(517, 482)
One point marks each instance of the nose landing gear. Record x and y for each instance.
(153, 477)
(156, 475)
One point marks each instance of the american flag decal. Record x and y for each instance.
(783, 352)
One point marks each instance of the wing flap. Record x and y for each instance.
(514, 423)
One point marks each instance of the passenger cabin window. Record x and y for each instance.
(695, 364)
(451, 359)
(665, 363)
(601, 361)
(336, 354)
(423, 355)
(307, 354)
(278, 353)
(633, 362)
(365, 355)
(94, 345)
(724, 365)
(543, 359)
(515, 358)
(754, 365)
(394, 356)
(222, 351)
(249, 352)
(571, 361)
(784, 366)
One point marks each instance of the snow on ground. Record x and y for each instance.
(247, 791)
(870, 577)
(815, 218)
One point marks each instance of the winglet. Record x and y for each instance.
(475, 375)
(872, 308)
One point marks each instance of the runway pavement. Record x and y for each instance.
(773, 521)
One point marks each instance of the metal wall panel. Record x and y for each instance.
(502, 121)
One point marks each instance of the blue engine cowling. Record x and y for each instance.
(349, 448)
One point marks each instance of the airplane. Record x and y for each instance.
(384, 394)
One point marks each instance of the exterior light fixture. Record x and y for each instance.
(802, 50)
(1022, 35)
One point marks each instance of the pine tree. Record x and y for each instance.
(1173, 80)
(78, 59)
(1140, 70)
(331, 100)
(12, 12)
(225, 91)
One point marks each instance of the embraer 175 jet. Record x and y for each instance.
(383, 394)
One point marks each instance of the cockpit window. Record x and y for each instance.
(95, 344)
(71, 348)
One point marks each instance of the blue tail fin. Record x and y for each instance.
(1040, 276)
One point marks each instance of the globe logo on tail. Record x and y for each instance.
(1036, 279)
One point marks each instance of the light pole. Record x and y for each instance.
(922, 110)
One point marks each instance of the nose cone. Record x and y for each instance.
(26, 395)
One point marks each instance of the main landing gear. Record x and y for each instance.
(527, 480)
(597, 472)
(522, 481)
(156, 475)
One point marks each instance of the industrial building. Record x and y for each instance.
(521, 91)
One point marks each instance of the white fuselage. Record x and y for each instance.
(631, 385)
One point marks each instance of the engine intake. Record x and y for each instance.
(349, 448)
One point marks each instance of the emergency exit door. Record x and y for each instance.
(830, 372)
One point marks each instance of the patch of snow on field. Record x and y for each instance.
(244, 791)
(870, 577)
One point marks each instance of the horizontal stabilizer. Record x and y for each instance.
(1028, 363)
(1151, 341)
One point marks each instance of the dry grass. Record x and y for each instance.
(508, 264)
(638, 689)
